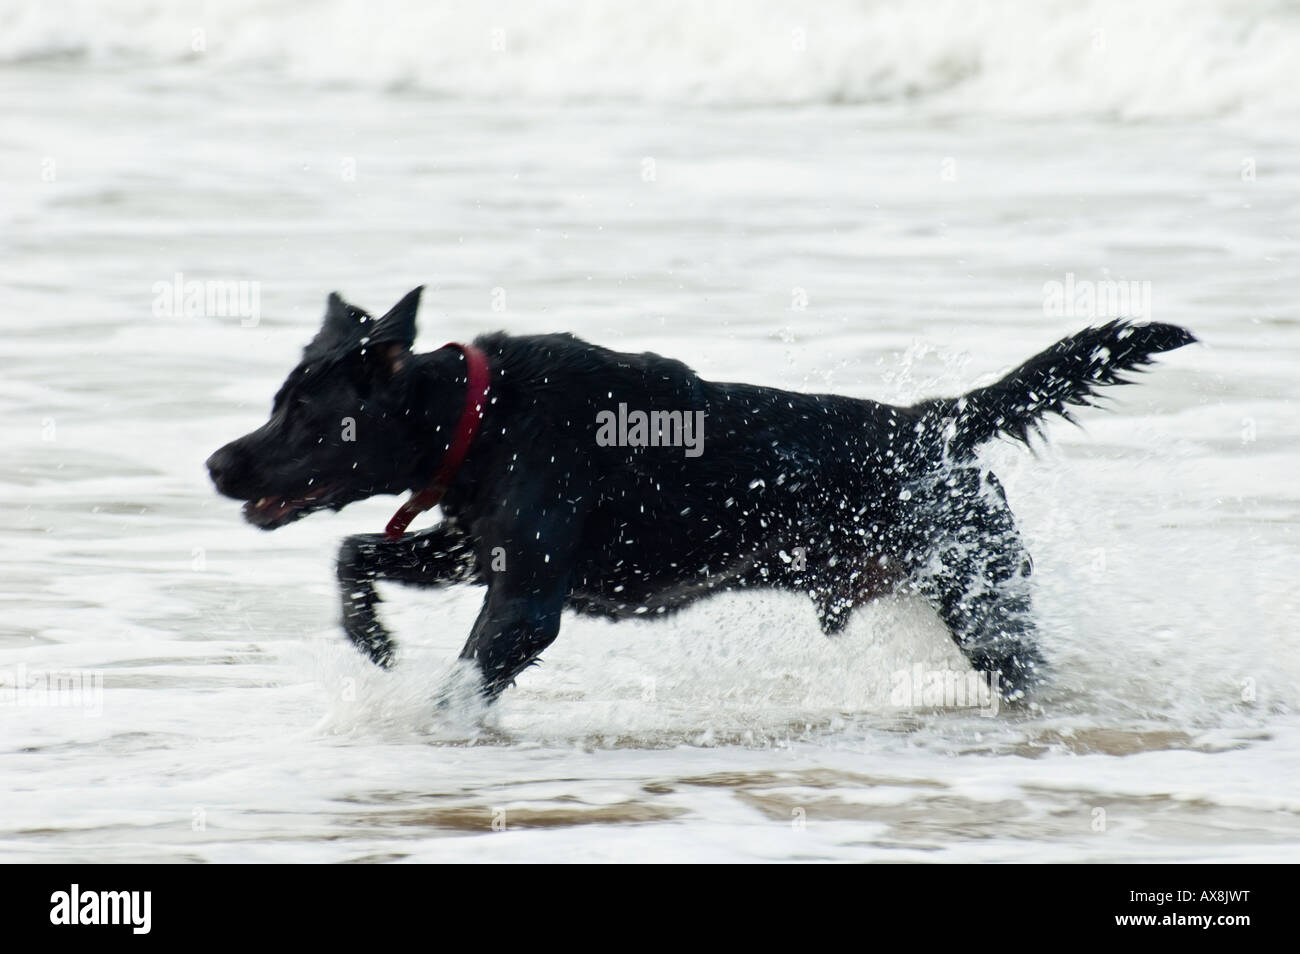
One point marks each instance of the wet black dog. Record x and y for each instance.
(625, 486)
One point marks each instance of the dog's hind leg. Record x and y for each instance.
(968, 559)
(433, 557)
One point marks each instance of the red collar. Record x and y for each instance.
(477, 378)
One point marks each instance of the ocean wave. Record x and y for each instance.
(1167, 59)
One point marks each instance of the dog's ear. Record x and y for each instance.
(343, 327)
(381, 345)
(387, 344)
(398, 326)
(343, 322)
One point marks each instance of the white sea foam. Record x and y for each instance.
(1113, 58)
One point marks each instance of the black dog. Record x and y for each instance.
(625, 486)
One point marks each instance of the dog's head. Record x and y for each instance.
(341, 425)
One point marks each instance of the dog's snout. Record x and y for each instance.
(221, 465)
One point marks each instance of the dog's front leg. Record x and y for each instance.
(434, 557)
(515, 625)
(526, 546)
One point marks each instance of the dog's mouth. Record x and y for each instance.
(269, 513)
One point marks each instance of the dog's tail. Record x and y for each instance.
(1067, 373)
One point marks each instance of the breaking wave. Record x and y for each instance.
(1159, 59)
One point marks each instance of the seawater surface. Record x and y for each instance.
(814, 225)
